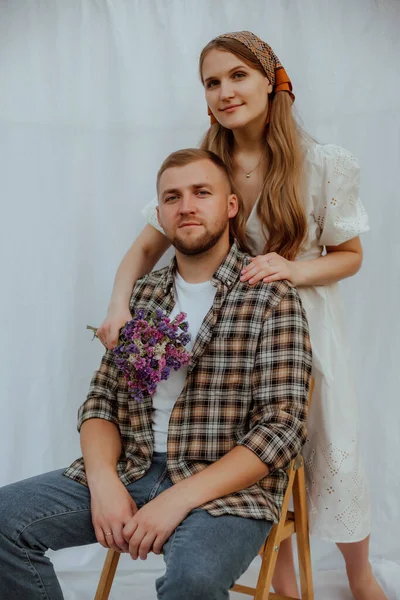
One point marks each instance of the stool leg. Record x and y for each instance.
(107, 575)
(272, 544)
(302, 535)
(269, 557)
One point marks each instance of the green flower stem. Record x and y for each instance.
(94, 329)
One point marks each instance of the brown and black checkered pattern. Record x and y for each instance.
(247, 385)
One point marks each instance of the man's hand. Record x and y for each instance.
(112, 508)
(153, 524)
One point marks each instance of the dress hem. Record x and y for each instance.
(341, 541)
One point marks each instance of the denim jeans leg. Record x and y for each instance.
(49, 511)
(206, 555)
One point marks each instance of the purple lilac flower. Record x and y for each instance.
(184, 338)
(134, 355)
(165, 373)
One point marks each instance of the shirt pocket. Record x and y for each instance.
(233, 358)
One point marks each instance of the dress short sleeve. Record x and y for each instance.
(150, 214)
(335, 187)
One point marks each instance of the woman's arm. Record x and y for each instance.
(340, 262)
(140, 259)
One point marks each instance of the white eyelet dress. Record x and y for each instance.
(338, 495)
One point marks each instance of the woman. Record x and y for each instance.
(302, 217)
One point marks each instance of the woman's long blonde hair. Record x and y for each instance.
(280, 208)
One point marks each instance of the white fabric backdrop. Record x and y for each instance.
(94, 94)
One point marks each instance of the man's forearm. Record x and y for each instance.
(101, 448)
(237, 470)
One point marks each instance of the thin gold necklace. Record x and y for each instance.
(248, 173)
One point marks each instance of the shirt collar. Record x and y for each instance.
(227, 273)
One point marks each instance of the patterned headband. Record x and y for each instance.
(269, 61)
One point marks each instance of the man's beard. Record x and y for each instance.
(200, 245)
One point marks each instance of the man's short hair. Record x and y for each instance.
(187, 156)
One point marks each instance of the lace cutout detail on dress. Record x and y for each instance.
(338, 209)
(336, 491)
(345, 163)
(350, 518)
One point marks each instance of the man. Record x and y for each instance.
(196, 471)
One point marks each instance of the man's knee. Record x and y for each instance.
(10, 502)
(23, 508)
(17, 524)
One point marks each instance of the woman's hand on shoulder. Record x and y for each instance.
(269, 267)
(108, 332)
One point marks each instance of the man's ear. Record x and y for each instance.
(158, 216)
(233, 205)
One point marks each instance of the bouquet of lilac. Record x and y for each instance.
(149, 349)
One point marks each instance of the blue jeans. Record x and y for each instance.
(204, 556)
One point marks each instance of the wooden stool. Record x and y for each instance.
(291, 522)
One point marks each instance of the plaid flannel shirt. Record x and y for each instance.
(247, 385)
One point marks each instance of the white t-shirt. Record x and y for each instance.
(195, 299)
